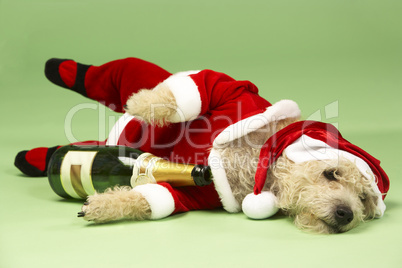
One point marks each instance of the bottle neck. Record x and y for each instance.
(149, 168)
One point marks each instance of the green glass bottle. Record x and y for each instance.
(79, 171)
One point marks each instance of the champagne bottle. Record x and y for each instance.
(79, 171)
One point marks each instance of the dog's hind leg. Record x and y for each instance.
(111, 83)
(34, 162)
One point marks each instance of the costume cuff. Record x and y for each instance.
(187, 96)
(221, 182)
(159, 199)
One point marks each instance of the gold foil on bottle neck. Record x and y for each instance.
(152, 169)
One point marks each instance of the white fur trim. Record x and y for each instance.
(280, 110)
(187, 96)
(381, 207)
(118, 128)
(159, 199)
(260, 206)
(306, 149)
(221, 182)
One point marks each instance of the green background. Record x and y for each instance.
(340, 60)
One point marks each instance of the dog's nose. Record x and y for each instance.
(343, 215)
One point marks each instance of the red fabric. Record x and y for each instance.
(68, 72)
(193, 198)
(114, 82)
(219, 91)
(37, 157)
(327, 133)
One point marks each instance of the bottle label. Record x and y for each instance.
(75, 173)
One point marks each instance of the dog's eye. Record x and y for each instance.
(331, 174)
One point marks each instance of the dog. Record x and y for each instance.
(322, 196)
(267, 159)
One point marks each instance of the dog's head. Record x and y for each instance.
(326, 196)
(325, 182)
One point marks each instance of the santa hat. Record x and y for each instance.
(304, 141)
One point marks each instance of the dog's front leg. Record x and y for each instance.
(116, 204)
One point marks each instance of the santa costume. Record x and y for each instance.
(213, 109)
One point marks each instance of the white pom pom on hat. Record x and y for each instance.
(259, 206)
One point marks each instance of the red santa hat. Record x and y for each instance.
(310, 140)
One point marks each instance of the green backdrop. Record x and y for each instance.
(340, 60)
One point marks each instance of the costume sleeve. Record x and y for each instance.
(165, 200)
(202, 92)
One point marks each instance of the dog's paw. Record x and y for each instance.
(154, 107)
(97, 210)
(92, 212)
(115, 204)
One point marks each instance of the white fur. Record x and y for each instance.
(118, 128)
(159, 198)
(187, 96)
(221, 182)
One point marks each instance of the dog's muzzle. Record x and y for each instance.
(343, 215)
